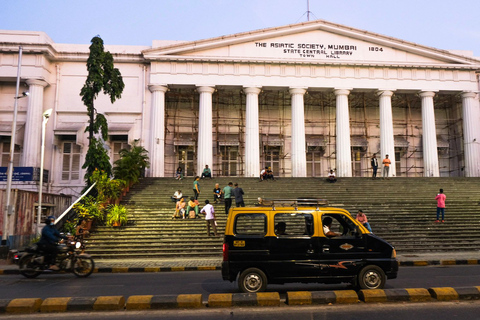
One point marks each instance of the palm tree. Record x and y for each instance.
(132, 163)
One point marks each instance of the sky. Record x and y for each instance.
(448, 25)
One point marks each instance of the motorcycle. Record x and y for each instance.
(70, 257)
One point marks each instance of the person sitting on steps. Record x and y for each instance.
(192, 205)
(207, 173)
(331, 177)
(217, 193)
(179, 173)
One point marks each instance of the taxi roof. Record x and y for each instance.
(290, 209)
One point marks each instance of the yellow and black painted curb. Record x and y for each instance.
(447, 262)
(228, 300)
(412, 263)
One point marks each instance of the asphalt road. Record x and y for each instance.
(385, 311)
(206, 282)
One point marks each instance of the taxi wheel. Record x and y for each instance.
(252, 280)
(371, 277)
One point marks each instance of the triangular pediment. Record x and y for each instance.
(315, 42)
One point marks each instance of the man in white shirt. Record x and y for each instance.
(327, 223)
(209, 212)
(263, 173)
(331, 177)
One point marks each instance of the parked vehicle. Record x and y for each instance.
(69, 258)
(285, 241)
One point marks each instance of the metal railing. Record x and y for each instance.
(61, 217)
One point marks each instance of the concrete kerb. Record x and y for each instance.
(228, 300)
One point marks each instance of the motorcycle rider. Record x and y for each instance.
(48, 242)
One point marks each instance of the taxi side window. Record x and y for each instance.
(341, 224)
(251, 224)
(293, 224)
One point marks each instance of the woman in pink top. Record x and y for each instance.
(441, 205)
(362, 218)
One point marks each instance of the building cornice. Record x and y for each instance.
(291, 61)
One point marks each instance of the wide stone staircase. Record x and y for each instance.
(400, 210)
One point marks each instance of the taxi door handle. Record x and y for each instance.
(326, 249)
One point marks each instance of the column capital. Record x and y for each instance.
(468, 94)
(157, 87)
(299, 90)
(37, 82)
(253, 90)
(385, 92)
(208, 89)
(342, 91)
(426, 94)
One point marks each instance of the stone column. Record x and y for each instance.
(430, 153)
(387, 144)
(205, 143)
(343, 153)
(252, 139)
(33, 124)
(470, 130)
(157, 131)
(299, 160)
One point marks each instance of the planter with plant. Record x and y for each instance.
(90, 210)
(109, 190)
(117, 215)
(131, 165)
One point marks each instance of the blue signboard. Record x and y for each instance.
(24, 174)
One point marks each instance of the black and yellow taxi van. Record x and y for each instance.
(285, 241)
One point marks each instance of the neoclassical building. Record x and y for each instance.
(302, 98)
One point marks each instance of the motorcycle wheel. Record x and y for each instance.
(83, 267)
(28, 267)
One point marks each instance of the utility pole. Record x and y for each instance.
(8, 207)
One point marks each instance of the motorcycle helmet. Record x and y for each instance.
(49, 219)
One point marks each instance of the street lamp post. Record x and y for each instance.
(46, 115)
(8, 207)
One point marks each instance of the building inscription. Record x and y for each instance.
(315, 50)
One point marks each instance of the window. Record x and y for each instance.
(357, 161)
(314, 161)
(70, 161)
(251, 224)
(271, 158)
(293, 224)
(186, 160)
(118, 143)
(5, 154)
(341, 224)
(229, 160)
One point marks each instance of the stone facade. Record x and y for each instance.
(302, 98)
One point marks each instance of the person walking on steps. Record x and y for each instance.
(441, 197)
(238, 193)
(196, 187)
(209, 213)
(227, 196)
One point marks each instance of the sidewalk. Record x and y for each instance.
(183, 264)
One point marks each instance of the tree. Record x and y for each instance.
(102, 76)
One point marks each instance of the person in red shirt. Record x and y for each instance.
(441, 205)
(362, 218)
